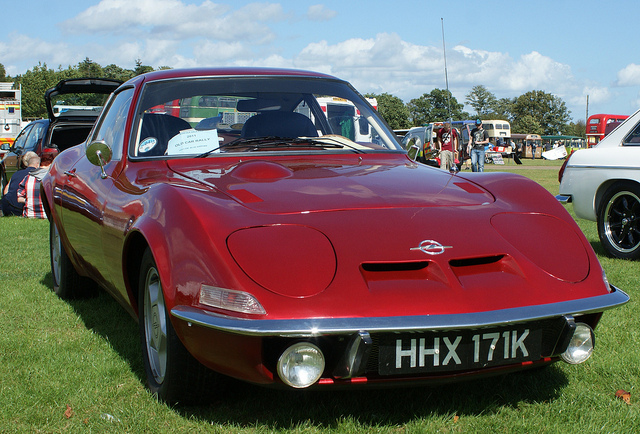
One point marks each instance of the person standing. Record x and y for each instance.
(533, 150)
(479, 138)
(447, 140)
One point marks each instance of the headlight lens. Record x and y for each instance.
(301, 365)
(581, 345)
(229, 299)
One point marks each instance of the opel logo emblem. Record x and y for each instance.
(431, 247)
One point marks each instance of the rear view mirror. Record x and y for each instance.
(99, 154)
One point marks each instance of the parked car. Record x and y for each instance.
(64, 127)
(603, 184)
(262, 244)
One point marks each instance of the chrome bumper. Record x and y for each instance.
(310, 327)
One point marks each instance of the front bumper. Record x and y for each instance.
(312, 327)
(248, 349)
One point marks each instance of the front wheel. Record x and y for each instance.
(619, 221)
(173, 375)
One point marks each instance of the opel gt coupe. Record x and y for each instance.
(256, 232)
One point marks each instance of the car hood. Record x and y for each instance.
(296, 185)
(79, 86)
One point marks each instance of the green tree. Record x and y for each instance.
(3, 74)
(549, 111)
(140, 68)
(117, 73)
(527, 124)
(482, 101)
(576, 129)
(419, 110)
(88, 68)
(503, 109)
(438, 105)
(392, 110)
(34, 84)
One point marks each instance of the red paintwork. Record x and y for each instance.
(320, 223)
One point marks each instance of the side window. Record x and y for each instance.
(35, 137)
(22, 138)
(633, 138)
(112, 124)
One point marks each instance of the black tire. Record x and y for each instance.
(67, 283)
(619, 220)
(173, 375)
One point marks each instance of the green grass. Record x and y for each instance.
(84, 355)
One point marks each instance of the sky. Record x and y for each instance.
(577, 50)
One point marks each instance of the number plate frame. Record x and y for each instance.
(430, 352)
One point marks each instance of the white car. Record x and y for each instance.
(603, 184)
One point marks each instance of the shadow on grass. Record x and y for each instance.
(245, 405)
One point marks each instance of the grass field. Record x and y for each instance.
(75, 367)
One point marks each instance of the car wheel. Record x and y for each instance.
(619, 221)
(173, 375)
(67, 283)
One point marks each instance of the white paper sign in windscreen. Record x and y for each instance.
(193, 142)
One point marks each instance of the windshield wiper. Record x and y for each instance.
(240, 141)
(257, 143)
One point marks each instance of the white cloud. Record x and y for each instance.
(210, 52)
(174, 19)
(597, 95)
(320, 13)
(629, 75)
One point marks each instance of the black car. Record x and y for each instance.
(73, 106)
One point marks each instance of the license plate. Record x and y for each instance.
(407, 353)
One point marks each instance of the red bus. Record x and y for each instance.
(597, 124)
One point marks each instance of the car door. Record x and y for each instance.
(86, 194)
(11, 161)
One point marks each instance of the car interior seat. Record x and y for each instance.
(279, 124)
(161, 127)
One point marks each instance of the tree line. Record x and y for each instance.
(535, 112)
(37, 80)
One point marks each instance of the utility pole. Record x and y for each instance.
(446, 76)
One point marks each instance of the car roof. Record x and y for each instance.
(227, 71)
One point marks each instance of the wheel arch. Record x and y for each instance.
(602, 189)
(135, 247)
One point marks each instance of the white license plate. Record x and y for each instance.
(407, 353)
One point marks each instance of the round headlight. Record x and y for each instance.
(581, 345)
(301, 365)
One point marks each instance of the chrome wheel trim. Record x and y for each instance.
(155, 325)
(56, 255)
(621, 221)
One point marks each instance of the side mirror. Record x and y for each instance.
(5, 146)
(99, 154)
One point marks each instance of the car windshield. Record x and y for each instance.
(217, 116)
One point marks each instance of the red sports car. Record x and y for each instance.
(259, 232)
